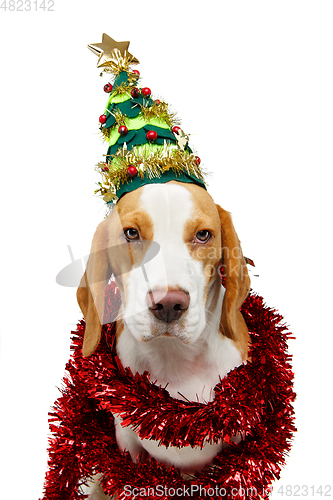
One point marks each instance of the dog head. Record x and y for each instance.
(164, 244)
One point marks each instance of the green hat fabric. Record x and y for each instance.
(145, 143)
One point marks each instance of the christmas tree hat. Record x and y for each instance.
(145, 143)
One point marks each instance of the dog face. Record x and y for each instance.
(168, 297)
(164, 244)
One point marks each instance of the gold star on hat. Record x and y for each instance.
(107, 50)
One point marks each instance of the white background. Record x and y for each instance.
(252, 82)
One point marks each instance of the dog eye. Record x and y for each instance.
(203, 236)
(131, 234)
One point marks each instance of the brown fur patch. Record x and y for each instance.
(205, 217)
(130, 214)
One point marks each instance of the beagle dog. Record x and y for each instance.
(176, 321)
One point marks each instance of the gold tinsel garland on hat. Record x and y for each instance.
(120, 62)
(149, 161)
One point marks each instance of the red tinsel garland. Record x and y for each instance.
(254, 399)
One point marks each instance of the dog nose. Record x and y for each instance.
(167, 306)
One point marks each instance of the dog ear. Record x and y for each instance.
(90, 294)
(237, 284)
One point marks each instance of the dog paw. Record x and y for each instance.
(95, 491)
